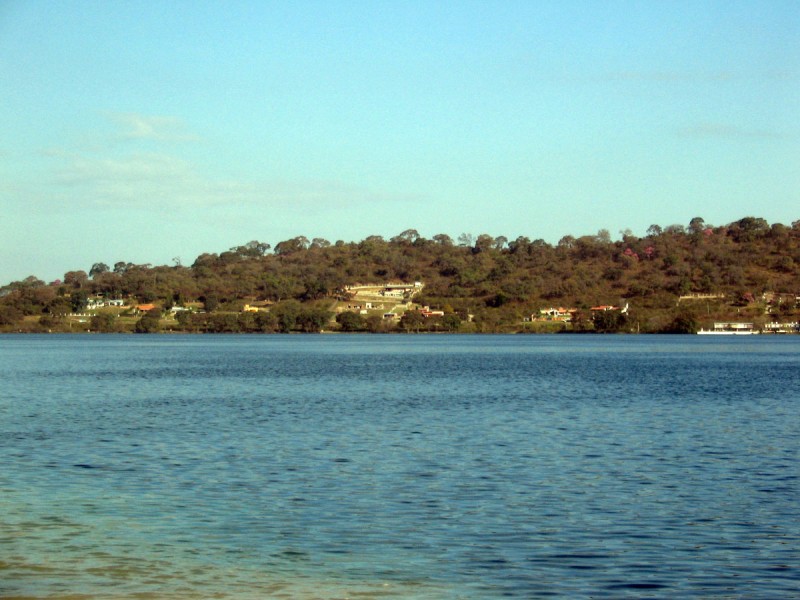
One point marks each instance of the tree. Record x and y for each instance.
(465, 239)
(286, 314)
(296, 244)
(412, 320)
(9, 315)
(78, 300)
(252, 249)
(567, 242)
(409, 236)
(98, 269)
(121, 267)
(684, 322)
(483, 243)
(748, 229)
(675, 230)
(320, 243)
(59, 307)
(608, 321)
(277, 288)
(443, 239)
(104, 323)
(210, 302)
(375, 324)
(697, 225)
(314, 289)
(603, 236)
(149, 323)
(265, 322)
(313, 320)
(451, 322)
(76, 279)
(350, 321)
(224, 323)
(579, 321)
(258, 248)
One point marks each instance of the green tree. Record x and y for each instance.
(579, 321)
(313, 320)
(149, 323)
(224, 323)
(59, 307)
(684, 322)
(78, 300)
(697, 225)
(351, 321)
(104, 323)
(443, 239)
(98, 269)
(277, 287)
(377, 324)
(9, 315)
(210, 302)
(286, 314)
(409, 236)
(52, 321)
(412, 320)
(76, 279)
(451, 322)
(265, 322)
(609, 321)
(292, 246)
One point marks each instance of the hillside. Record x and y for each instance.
(675, 278)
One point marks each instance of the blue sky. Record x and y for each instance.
(147, 131)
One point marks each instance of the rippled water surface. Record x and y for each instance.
(399, 467)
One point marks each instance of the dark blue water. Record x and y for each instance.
(399, 466)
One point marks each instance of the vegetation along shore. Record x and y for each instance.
(675, 279)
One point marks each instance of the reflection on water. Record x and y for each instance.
(406, 467)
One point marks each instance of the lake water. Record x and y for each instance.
(448, 467)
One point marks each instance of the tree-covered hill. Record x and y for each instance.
(672, 279)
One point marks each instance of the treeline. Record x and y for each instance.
(491, 282)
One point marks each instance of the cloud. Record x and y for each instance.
(146, 179)
(135, 126)
(149, 181)
(670, 77)
(725, 131)
(695, 77)
(114, 172)
(135, 167)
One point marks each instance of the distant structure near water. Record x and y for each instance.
(730, 329)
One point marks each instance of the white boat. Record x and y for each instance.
(730, 329)
(712, 332)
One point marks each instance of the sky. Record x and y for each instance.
(153, 132)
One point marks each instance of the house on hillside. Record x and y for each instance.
(555, 314)
(426, 312)
(607, 308)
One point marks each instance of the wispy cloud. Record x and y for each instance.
(690, 77)
(135, 126)
(136, 167)
(726, 131)
(670, 77)
(151, 181)
(115, 171)
(146, 179)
